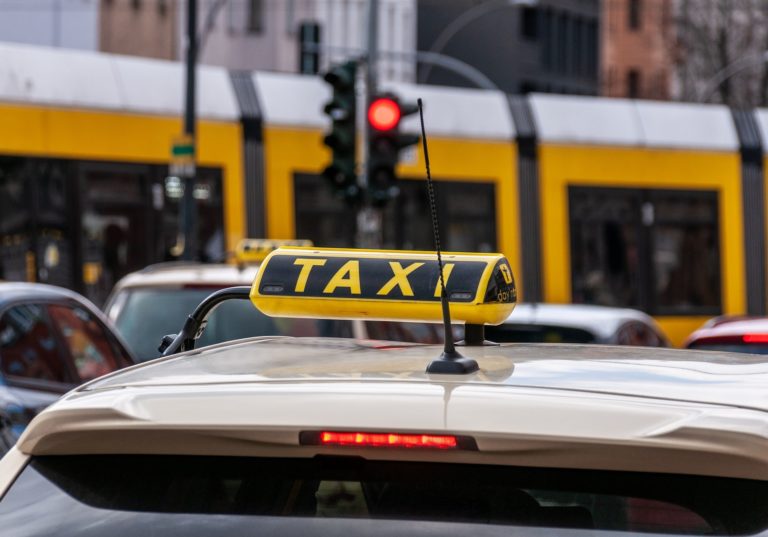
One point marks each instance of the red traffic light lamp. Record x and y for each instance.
(384, 114)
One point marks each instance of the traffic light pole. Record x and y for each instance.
(188, 210)
(369, 218)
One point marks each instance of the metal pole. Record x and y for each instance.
(189, 208)
(369, 219)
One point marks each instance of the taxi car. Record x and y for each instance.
(732, 334)
(329, 436)
(51, 339)
(578, 323)
(133, 305)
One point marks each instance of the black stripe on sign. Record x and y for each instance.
(365, 278)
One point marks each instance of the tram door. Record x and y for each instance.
(116, 223)
(130, 219)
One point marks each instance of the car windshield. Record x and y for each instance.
(183, 495)
(148, 314)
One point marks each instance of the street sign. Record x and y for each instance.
(182, 157)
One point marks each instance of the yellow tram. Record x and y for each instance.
(656, 206)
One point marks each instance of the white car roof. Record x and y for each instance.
(180, 274)
(571, 406)
(600, 320)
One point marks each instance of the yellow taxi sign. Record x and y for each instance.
(384, 285)
(255, 250)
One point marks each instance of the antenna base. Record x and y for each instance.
(452, 363)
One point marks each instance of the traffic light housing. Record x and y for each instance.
(341, 172)
(384, 144)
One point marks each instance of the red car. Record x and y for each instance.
(733, 334)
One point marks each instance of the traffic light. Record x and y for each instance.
(340, 173)
(384, 144)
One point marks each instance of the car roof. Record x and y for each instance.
(602, 321)
(15, 291)
(735, 327)
(575, 406)
(179, 274)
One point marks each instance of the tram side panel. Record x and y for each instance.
(636, 212)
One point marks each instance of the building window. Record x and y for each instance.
(255, 16)
(634, 14)
(656, 250)
(633, 84)
(136, 4)
(547, 38)
(529, 23)
(162, 7)
(592, 49)
(561, 53)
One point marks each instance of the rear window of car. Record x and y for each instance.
(146, 315)
(537, 333)
(183, 495)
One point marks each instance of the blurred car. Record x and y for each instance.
(732, 334)
(575, 323)
(151, 303)
(51, 340)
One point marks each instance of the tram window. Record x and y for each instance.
(15, 219)
(320, 217)
(467, 217)
(210, 230)
(655, 250)
(604, 247)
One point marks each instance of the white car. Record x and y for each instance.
(151, 303)
(328, 436)
(578, 323)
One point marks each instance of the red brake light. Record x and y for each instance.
(384, 114)
(328, 438)
(755, 338)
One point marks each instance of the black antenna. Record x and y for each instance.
(450, 361)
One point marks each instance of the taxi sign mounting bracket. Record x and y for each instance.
(450, 362)
(195, 324)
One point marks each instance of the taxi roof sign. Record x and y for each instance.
(383, 285)
(255, 250)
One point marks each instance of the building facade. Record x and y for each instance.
(140, 28)
(550, 47)
(264, 34)
(52, 23)
(638, 52)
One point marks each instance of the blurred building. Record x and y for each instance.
(264, 34)
(53, 23)
(140, 28)
(715, 37)
(550, 47)
(637, 53)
